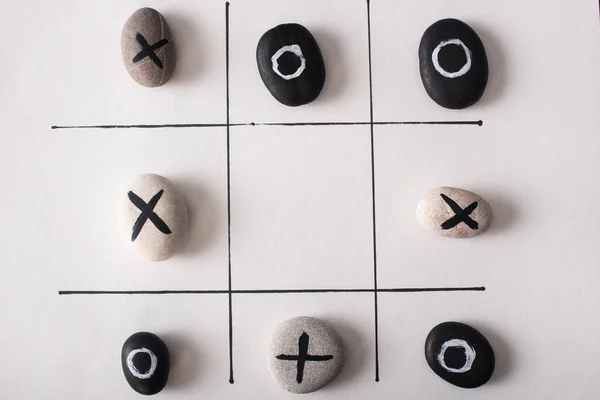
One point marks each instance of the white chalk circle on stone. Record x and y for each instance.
(154, 217)
(436, 62)
(305, 355)
(133, 369)
(454, 213)
(297, 51)
(470, 355)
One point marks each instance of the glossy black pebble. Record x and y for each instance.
(459, 354)
(145, 362)
(290, 64)
(453, 64)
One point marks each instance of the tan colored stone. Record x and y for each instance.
(161, 232)
(436, 214)
(152, 65)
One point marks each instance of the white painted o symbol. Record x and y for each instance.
(295, 49)
(469, 355)
(134, 371)
(436, 63)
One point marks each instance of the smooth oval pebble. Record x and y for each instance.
(454, 213)
(147, 48)
(305, 354)
(145, 362)
(453, 64)
(290, 64)
(154, 216)
(460, 355)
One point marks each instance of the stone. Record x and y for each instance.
(290, 64)
(305, 354)
(460, 355)
(454, 213)
(453, 64)
(154, 217)
(148, 48)
(145, 362)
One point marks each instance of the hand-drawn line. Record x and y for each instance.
(369, 123)
(231, 380)
(374, 233)
(273, 291)
(223, 125)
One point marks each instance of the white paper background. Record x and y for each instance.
(300, 199)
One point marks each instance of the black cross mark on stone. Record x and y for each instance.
(461, 215)
(148, 51)
(147, 212)
(302, 356)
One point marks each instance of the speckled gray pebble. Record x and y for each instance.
(154, 216)
(305, 354)
(454, 213)
(147, 48)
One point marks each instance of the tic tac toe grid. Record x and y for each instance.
(369, 127)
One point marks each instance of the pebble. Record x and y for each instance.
(460, 355)
(453, 64)
(147, 48)
(290, 64)
(154, 217)
(145, 362)
(305, 354)
(454, 213)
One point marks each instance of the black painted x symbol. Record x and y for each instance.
(460, 215)
(147, 212)
(302, 356)
(148, 51)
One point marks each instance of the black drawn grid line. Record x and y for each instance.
(318, 123)
(375, 290)
(272, 291)
(374, 233)
(231, 380)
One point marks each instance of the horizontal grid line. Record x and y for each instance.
(276, 291)
(223, 125)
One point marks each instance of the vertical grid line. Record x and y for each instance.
(376, 306)
(228, 196)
